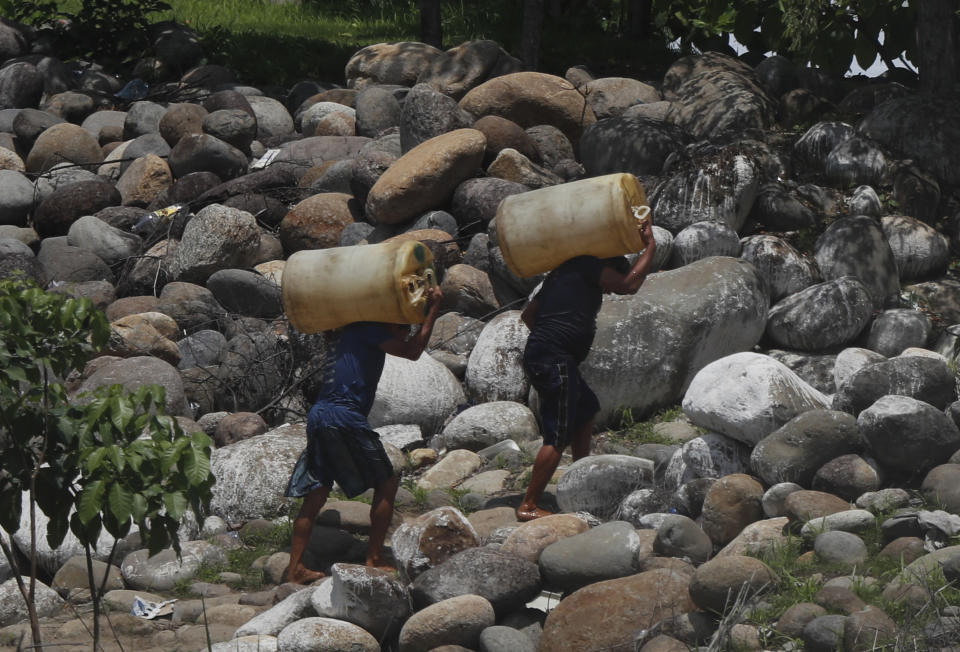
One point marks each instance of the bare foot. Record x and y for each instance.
(382, 565)
(303, 575)
(525, 514)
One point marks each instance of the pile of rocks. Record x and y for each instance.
(807, 373)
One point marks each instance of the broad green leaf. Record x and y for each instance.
(120, 503)
(89, 501)
(115, 454)
(196, 466)
(95, 459)
(175, 504)
(138, 507)
(121, 414)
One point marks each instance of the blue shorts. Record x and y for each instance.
(567, 403)
(341, 447)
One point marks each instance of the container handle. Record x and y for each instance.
(641, 214)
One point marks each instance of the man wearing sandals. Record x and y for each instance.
(562, 317)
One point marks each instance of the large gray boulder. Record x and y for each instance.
(488, 423)
(855, 161)
(271, 622)
(702, 240)
(598, 483)
(856, 246)
(649, 346)
(893, 331)
(14, 610)
(819, 140)
(602, 553)
(795, 451)
(218, 237)
(495, 367)
(139, 371)
(110, 244)
(466, 66)
(710, 455)
(923, 378)
(919, 250)
(508, 581)
(628, 144)
(390, 63)
(720, 187)
(252, 474)
(371, 598)
(921, 128)
(908, 436)
(783, 269)
(822, 316)
(427, 113)
(422, 392)
(162, 571)
(746, 396)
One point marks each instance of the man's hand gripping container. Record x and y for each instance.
(601, 216)
(325, 289)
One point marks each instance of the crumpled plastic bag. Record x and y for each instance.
(150, 610)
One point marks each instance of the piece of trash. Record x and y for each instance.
(150, 610)
(135, 89)
(266, 159)
(160, 216)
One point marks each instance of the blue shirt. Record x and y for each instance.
(357, 367)
(568, 303)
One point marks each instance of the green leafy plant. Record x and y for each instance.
(103, 461)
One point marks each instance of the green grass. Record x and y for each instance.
(642, 432)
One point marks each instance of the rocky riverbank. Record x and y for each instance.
(802, 316)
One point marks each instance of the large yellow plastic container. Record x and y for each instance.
(328, 288)
(601, 216)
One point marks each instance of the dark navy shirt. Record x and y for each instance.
(566, 318)
(357, 366)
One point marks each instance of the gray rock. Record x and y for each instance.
(918, 249)
(855, 521)
(273, 120)
(142, 117)
(494, 369)
(67, 264)
(855, 161)
(500, 638)
(777, 396)
(427, 113)
(922, 378)
(431, 539)
(252, 474)
(318, 634)
(110, 244)
(907, 435)
(552, 145)
(16, 198)
(475, 201)
(235, 127)
(457, 621)
(14, 610)
(486, 424)
(424, 393)
(191, 306)
(777, 209)
(856, 246)
(163, 570)
(702, 240)
(649, 347)
(317, 149)
(605, 552)
(246, 293)
(941, 486)
(17, 258)
(138, 371)
(395, 63)
(919, 129)
(710, 455)
(884, 500)
(307, 118)
(30, 123)
(71, 201)
(370, 598)
(783, 269)
(815, 370)
(822, 316)
(824, 633)
(679, 536)
(851, 360)
(893, 331)
(718, 188)
(507, 581)
(718, 583)
(202, 349)
(255, 363)
(377, 110)
(21, 86)
(837, 547)
(206, 153)
(628, 144)
(216, 238)
(466, 66)
(775, 497)
(865, 201)
(252, 643)
(598, 483)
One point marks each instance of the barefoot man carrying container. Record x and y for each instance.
(562, 318)
(341, 445)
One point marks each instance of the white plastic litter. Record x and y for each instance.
(150, 610)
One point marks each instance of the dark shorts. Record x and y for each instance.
(349, 454)
(566, 401)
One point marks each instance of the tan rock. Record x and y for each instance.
(468, 291)
(608, 615)
(10, 161)
(732, 503)
(335, 124)
(144, 180)
(532, 98)
(180, 120)
(165, 324)
(431, 539)
(485, 521)
(272, 269)
(453, 468)
(719, 581)
(63, 142)
(426, 176)
(611, 96)
(758, 536)
(317, 221)
(421, 457)
(513, 166)
(805, 505)
(389, 63)
(529, 540)
(138, 338)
